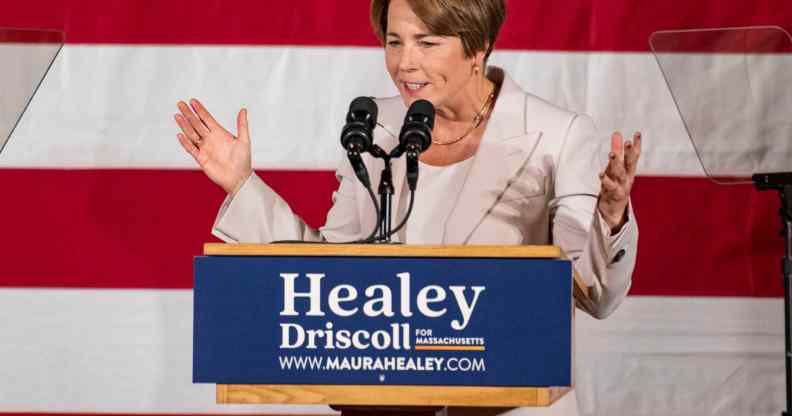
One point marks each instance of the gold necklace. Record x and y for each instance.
(476, 121)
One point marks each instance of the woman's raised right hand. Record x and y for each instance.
(224, 158)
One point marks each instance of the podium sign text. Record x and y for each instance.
(382, 321)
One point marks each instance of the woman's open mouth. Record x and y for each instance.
(415, 86)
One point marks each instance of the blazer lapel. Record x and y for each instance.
(505, 148)
(494, 166)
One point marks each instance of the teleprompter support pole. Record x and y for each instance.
(782, 183)
(786, 267)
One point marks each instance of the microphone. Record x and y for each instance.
(416, 133)
(357, 136)
(416, 136)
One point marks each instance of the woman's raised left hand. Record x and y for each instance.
(617, 180)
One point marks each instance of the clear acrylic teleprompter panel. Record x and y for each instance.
(733, 90)
(25, 57)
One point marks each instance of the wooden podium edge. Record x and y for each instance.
(396, 250)
(356, 395)
(382, 250)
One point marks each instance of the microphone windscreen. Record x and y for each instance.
(364, 105)
(423, 108)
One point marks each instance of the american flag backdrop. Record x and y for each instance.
(102, 210)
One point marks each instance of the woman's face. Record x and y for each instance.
(423, 65)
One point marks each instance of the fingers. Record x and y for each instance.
(243, 131)
(612, 189)
(623, 158)
(204, 114)
(632, 154)
(188, 145)
(198, 126)
(616, 144)
(616, 169)
(616, 181)
(187, 129)
(615, 176)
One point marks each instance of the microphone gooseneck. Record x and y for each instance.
(416, 136)
(357, 136)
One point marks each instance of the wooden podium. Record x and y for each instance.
(522, 325)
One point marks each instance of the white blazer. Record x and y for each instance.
(533, 180)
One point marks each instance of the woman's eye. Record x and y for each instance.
(393, 43)
(426, 44)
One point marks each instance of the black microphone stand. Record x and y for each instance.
(415, 137)
(386, 192)
(782, 183)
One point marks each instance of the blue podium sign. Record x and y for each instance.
(382, 321)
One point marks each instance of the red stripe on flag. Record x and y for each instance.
(122, 228)
(702, 239)
(30, 36)
(766, 40)
(572, 25)
(140, 229)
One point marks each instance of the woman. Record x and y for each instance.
(505, 167)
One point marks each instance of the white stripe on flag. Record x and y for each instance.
(112, 106)
(116, 351)
(128, 351)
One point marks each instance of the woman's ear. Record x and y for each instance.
(479, 59)
(483, 54)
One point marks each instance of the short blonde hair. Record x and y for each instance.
(476, 22)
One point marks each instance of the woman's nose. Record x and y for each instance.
(407, 60)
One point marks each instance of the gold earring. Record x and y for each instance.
(476, 69)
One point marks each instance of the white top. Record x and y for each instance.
(435, 197)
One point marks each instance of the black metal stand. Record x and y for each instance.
(386, 195)
(782, 183)
(386, 202)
